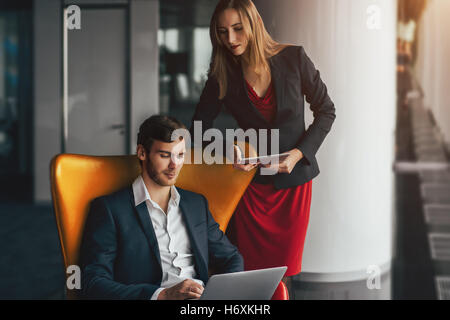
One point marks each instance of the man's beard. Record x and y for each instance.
(156, 176)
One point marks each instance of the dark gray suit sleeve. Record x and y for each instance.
(97, 256)
(206, 111)
(321, 105)
(209, 106)
(224, 257)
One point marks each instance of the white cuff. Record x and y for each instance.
(156, 294)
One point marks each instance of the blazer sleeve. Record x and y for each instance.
(321, 105)
(97, 256)
(224, 257)
(209, 106)
(206, 111)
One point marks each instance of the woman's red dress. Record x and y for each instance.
(269, 226)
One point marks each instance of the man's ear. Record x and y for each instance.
(141, 153)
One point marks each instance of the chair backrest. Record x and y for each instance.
(78, 179)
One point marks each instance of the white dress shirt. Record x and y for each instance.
(177, 259)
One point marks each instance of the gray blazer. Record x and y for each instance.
(295, 78)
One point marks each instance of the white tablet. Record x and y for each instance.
(273, 158)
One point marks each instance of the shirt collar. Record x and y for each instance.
(141, 193)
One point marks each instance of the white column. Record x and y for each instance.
(351, 221)
(432, 67)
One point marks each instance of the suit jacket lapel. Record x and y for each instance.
(187, 209)
(147, 226)
(199, 255)
(279, 85)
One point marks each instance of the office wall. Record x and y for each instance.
(144, 19)
(432, 67)
(144, 69)
(47, 92)
(351, 221)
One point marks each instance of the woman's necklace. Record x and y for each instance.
(254, 81)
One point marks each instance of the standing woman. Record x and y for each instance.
(263, 84)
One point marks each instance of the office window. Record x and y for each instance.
(15, 100)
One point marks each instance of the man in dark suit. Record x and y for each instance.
(153, 240)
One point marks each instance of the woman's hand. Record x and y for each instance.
(237, 159)
(287, 165)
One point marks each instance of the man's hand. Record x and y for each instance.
(287, 165)
(187, 289)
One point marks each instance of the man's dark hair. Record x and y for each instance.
(157, 127)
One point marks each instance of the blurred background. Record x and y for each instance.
(381, 205)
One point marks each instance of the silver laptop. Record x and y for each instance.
(246, 285)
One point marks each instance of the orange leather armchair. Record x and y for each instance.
(78, 179)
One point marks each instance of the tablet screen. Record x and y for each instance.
(274, 158)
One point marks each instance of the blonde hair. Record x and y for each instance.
(260, 45)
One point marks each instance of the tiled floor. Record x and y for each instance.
(31, 265)
(433, 177)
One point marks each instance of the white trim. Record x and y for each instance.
(404, 166)
(339, 276)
